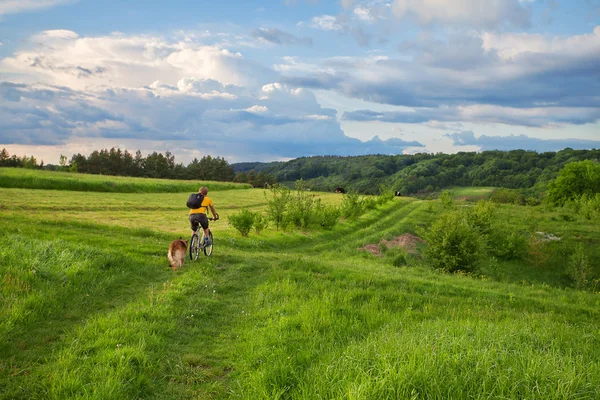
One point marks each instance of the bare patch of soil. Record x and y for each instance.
(407, 241)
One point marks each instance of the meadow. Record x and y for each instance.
(52, 180)
(90, 309)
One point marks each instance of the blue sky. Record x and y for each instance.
(274, 80)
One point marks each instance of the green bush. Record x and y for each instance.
(261, 222)
(352, 205)
(386, 194)
(508, 196)
(589, 206)
(447, 199)
(453, 244)
(532, 201)
(300, 207)
(242, 221)
(325, 216)
(578, 267)
(508, 244)
(278, 204)
(575, 180)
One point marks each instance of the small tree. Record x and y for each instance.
(453, 244)
(63, 163)
(447, 199)
(278, 204)
(242, 221)
(261, 222)
(573, 181)
(352, 205)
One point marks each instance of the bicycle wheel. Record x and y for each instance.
(208, 249)
(194, 247)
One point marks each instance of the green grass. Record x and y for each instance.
(476, 193)
(89, 308)
(52, 180)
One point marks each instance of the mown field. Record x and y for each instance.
(51, 180)
(90, 309)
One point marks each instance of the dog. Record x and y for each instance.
(177, 253)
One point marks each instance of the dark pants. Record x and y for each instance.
(196, 219)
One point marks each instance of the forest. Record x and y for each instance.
(410, 174)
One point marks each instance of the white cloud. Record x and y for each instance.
(18, 6)
(364, 14)
(326, 23)
(62, 57)
(474, 13)
(257, 109)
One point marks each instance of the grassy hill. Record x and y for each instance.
(89, 308)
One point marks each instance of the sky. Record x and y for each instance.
(281, 79)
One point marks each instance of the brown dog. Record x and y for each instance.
(177, 253)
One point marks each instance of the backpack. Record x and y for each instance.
(195, 200)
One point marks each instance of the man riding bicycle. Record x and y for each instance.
(198, 215)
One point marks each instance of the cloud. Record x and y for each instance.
(145, 88)
(465, 13)
(530, 117)
(512, 142)
(516, 79)
(327, 23)
(278, 37)
(64, 58)
(19, 6)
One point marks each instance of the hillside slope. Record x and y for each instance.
(91, 310)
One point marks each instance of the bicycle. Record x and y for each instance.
(198, 243)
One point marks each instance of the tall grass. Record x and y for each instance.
(53, 180)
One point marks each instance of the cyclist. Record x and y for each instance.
(198, 215)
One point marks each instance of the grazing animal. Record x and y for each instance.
(398, 194)
(177, 253)
(340, 190)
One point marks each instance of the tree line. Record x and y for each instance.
(426, 173)
(119, 162)
(408, 174)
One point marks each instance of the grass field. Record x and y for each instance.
(90, 310)
(51, 180)
(473, 193)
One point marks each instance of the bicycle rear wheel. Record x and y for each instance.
(209, 248)
(194, 247)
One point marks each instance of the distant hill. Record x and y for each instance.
(256, 166)
(424, 173)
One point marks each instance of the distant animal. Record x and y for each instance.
(398, 194)
(339, 190)
(177, 253)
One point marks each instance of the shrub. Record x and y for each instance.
(507, 244)
(508, 196)
(578, 267)
(447, 199)
(278, 204)
(242, 221)
(386, 194)
(300, 207)
(352, 205)
(453, 244)
(573, 181)
(589, 206)
(325, 216)
(261, 222)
